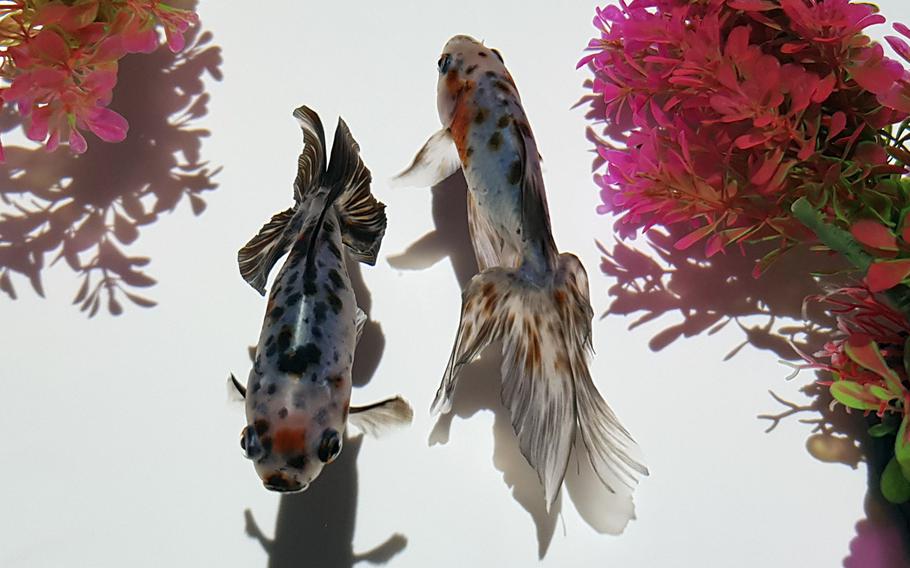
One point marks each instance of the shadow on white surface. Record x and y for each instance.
(85, 209)
(316, 527)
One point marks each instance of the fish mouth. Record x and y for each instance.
(283, 484)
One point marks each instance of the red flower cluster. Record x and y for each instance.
(732, 109)
(61, 59)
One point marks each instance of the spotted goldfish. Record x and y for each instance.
(298, 393)
(528, 296)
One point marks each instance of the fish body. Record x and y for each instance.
(298, 392)
(527, 295)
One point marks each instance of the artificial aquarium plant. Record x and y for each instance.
(60, 59)
(745, 121)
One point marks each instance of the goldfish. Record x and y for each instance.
(528, 296)
(298, 393)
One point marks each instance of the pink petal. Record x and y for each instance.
(887, 274)
(873, 234)
(77, 142)
(838, 122)
(902, 29)
(107, 125)
(50, 46)
(899, 46)
(175, 39)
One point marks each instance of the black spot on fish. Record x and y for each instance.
(284, 337)
(276, 312)
(322, 417)
(271, 389)
(297, 462)
(329, 226)
(319, 311)
(309, 286)
(335, 356)
(480, 116)
(502, 86)
(316, 332)
(336, 279)
(270, 340)
(299, 400)
(283, 413)
(495, 141)
(270, 350)
(267, 445)
(333, 248)
(293, 299)
(470, 69)
(490, 74)
(256, 386)
(469, 151)
(298, 359)
(482, 54)
(515, 172)
(335, 302)
(293, 275)
(261, 426)
(503, 121)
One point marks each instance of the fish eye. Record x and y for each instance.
(329, 446)
(497, 54)
(444, 63)
(249, 442)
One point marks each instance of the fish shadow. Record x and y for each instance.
(86, 209)
(479, 385)
(316, 527)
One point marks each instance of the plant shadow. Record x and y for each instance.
(316, 527)
(479, 386)
(84, 209)
(705, 295)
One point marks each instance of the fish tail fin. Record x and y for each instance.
(360, 214)
(546, 339)
(275, 238)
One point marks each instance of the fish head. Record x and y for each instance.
(463, 62)
(289, 452)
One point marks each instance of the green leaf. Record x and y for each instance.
(833, 237)
(902, 447)
(895, 487)
(882, 429)
(854, 395)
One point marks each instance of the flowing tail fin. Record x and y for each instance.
(362, 217)
(546, 338)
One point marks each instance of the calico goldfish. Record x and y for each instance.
(528, 296)
(298, 393)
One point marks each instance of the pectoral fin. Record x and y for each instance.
(360, 319)
(376, 419)
(437, 160)
(236, 391)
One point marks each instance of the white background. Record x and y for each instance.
(121, 449)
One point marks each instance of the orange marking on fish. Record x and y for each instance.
(462, 116)
(289, 440)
